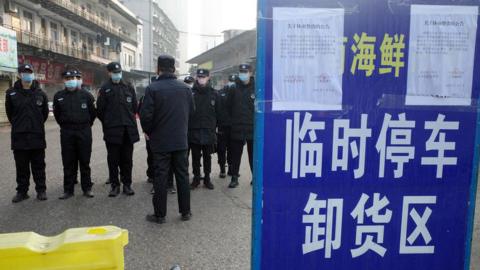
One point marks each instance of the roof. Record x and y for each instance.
(123, 10)
(225, 47)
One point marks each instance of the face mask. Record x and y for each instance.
(27, 77)
(79, 83)
(116, 77)
(202, 81)
(244, 77)
(71, 84)
(230, 84)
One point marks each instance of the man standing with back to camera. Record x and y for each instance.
(164, 117)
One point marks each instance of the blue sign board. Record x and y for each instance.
(366, 134)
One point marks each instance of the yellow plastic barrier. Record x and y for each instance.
(99, 248)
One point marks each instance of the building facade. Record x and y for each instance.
(86, 34)
(160, 36)
(239, 47)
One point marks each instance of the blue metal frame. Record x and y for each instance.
(473, 193)
(258, 143)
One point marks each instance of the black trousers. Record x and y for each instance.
(151, 169)
(223, 147)
(120, 156)
(164, 162)
(199, 151)
(236, 147)
(26, 160)
(76, 150)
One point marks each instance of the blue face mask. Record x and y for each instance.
(116, 77)
(79, 83)
(27, 77)
(244, 77)
(71, 84)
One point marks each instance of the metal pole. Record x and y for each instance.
(151, 41)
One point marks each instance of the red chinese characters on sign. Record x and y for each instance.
(3, 45)
(51, 72)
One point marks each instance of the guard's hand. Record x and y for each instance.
(146, 136)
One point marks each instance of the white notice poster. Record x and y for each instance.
(441, 55)
(307, 59)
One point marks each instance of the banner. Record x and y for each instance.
(366, 134)
(8, 50)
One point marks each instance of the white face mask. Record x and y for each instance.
(202, 81)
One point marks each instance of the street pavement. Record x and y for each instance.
(218, 236)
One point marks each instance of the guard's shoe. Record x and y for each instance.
(171, 190)
(208, 184)
(186, 216)
(114, 192)
(42, 196)
(20, 197)
(195, 183)
(222, 175)
(234, 182)
(155, 219)
(88, 194)
(128, 191)
(66, 196)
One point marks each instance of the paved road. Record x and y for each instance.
(218, 236)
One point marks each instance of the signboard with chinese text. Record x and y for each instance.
(51, 72)
(366, 134)
(8, 50)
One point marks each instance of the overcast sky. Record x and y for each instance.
(207, 17)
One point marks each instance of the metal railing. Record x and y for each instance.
(42, 42)
(89, 16)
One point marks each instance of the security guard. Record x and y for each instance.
(224, 127)
(189, 80)
(164, 117)
(74, 111)
(117, 109)
(27, 110)
(150, 164)
(201, 128)
(241, 102)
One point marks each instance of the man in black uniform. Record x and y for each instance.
(224, 127)
(241, 102)
(201, 128)
(150, 165)
(116, 109)
(74, 112)
(164, 117)
(26, 106)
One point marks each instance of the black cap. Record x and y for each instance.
(114, 67)
(78, 73)
(68, 73)
(244, 68)
(201, 72)
(166, 61)
(26, 67)
(189, 79)
(232, 78)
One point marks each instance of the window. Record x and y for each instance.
(54, 31)
(43, 26)
(27, 21)
(74, 38)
